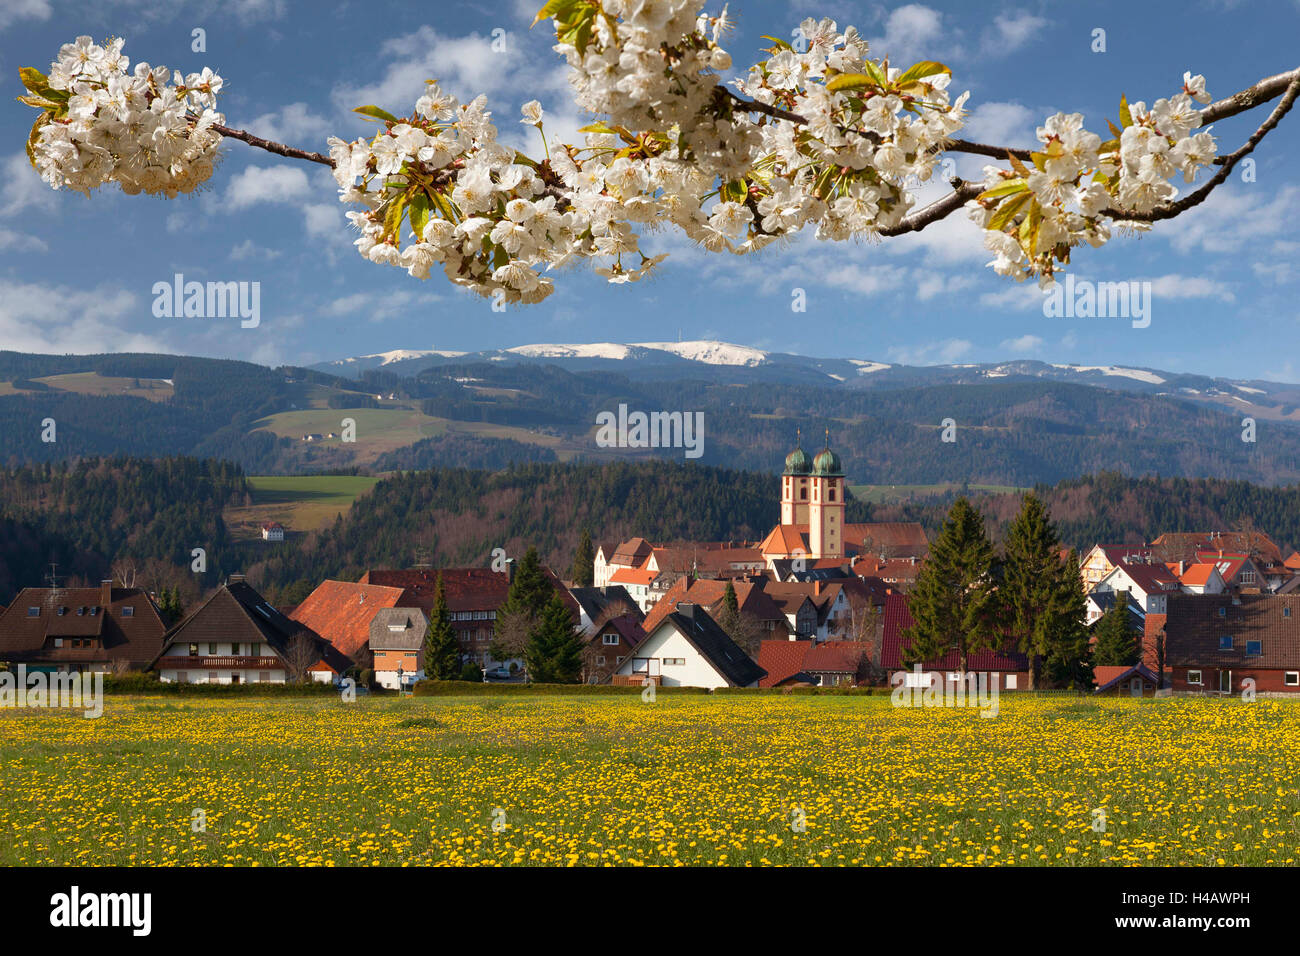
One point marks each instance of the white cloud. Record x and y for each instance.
(291, 125)
(248, 249)
(1019, 296)
(1001, 124)
(943, 352)
(324, 220)
(1174, 286)
(21, 242)
(38, 317)
(1012, 31)
(1233, 216)
(14, 10)
(1023, 344)
(378, 307)
(909, 32)
(463, 65)
(23, 187)
(257, 185)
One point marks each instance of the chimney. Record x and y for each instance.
(1182, 568)
(106, 592)
(687, 610)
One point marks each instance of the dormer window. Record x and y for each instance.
(128, 611)
(33, 612)
(1225, 643)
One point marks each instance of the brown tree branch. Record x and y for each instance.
(962, 192)
(272, 147)
(1170, 210)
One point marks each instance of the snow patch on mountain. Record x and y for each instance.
(605, 350)
(1134, 373)
(710, 352)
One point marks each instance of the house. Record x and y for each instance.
(825, 664)
(1008, 669)
(273, 531)
(639, 583)
(610, 644)
(1214, 643)
(688, 649)
(630, 555)
(1202, 577)
(1101, 560)
(1183, 545)
(236, 637)
(473, 597)
(397, 644)
(1120, 681)
(597, 604)
(1097, 603)
(81, 629)
(1238, 571)
(752, 601)
(341, 612)
(1150, 583)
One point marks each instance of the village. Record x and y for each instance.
(818, 602)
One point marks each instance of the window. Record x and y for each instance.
(58, 642)
(212, 677)
(1225, 643)
(128, 611)
(1286, 612)
(678, 661)
(254, 650)
(62, 611)
(181, 676)
(33, 612)
(1223, 612)
(1254, 648)
(831, 493)
(212, 649)
(1011, 682)
(1194, 677)
(194, 650)
(1291, 678)
(610, 639)
(600, 661)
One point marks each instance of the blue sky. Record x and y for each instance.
(76, 274)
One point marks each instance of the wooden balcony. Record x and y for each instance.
(180, 663)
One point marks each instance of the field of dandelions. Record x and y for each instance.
(683, 780)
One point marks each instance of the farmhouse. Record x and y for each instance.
(272, 531)
(81, 629)
(236, 637)
(341, 612)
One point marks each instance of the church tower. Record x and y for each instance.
(826, 506)
(795, 485)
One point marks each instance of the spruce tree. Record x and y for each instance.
(583, 572)
(1068, 662)
(1041, 602)
(554, 651)
(1116, 643)
(952, 604)
(441, 648)
(729, 597)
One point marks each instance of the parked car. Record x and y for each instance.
(500, 672)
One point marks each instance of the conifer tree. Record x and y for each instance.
(554, 651)
(1041, 603)
(583, 572)
(952, 604)
(441, 648)
(1116, 639)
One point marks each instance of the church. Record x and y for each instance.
(812, 516)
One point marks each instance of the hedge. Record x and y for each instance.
(140, 683)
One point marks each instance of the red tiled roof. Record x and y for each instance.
(834, 657)
(781, 660)
(641, 576)
(1108, 675)
(1194, 627)
(341, 612)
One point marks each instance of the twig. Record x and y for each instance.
(271, 147)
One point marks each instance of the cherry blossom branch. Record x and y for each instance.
(1191, 200)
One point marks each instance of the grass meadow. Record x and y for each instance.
(726, 779)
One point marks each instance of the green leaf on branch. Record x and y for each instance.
(873, 76)
(734, 191)
(374, 112)
(419, 214)
(1029, 228)
(780, 44)
(919, 71)
(34, 136)
(558, 9)
(1008, 188)
(1007, 211)
(393, 220)
(1125, 115)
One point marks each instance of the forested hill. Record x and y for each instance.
(1113, 509)
(154, 512)
(457, 517)
(144, 515)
